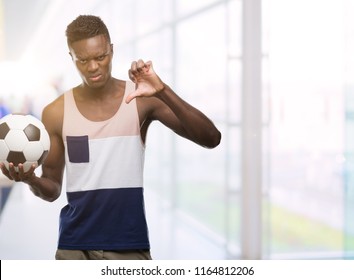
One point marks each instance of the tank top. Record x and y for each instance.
(104, 180)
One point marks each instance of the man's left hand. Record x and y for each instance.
(146, 80)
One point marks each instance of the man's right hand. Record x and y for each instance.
(17, 176)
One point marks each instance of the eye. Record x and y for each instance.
(82, 61)
(101, 57)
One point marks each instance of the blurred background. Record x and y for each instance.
(275, 76)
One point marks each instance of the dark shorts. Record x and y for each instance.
(102, 255)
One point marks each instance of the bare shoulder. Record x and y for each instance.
(52, 115)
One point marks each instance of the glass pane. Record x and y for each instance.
(201, 77)
(234, 28)
(186, 6)
(201, 61)
(151, 14)
(233, 98)
(349, 130)
(232, 140)
(157, 47)
(200, 183)
(307, 128)
(119, 20)
(349, 173)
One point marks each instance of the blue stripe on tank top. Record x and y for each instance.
(105, 219)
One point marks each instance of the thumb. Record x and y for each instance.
(131, 96)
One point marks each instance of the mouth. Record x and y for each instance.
(95, 78)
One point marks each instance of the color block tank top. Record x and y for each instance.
(104, 180)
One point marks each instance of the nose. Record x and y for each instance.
(92, 65)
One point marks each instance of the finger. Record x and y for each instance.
(140, 65)
(133, 67)
(148, 66)
(131, 76)
(25, 175)
(13, 173)
(131, 96)
(31, 170)
(2, 167)
(20, 171)
(5, 171)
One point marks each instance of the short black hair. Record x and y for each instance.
(85, 27)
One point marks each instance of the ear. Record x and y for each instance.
(72, 58)
(112, 49)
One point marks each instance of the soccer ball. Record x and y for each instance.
(23, 139)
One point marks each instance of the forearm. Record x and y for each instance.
(197, 127)
(44, 188)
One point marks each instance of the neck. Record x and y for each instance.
(98, 92)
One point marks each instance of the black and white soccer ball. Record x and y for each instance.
(23, 139)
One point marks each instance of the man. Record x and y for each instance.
(98, 130)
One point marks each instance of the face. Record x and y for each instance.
(93, 60)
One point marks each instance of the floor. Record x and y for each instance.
(29, 230)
